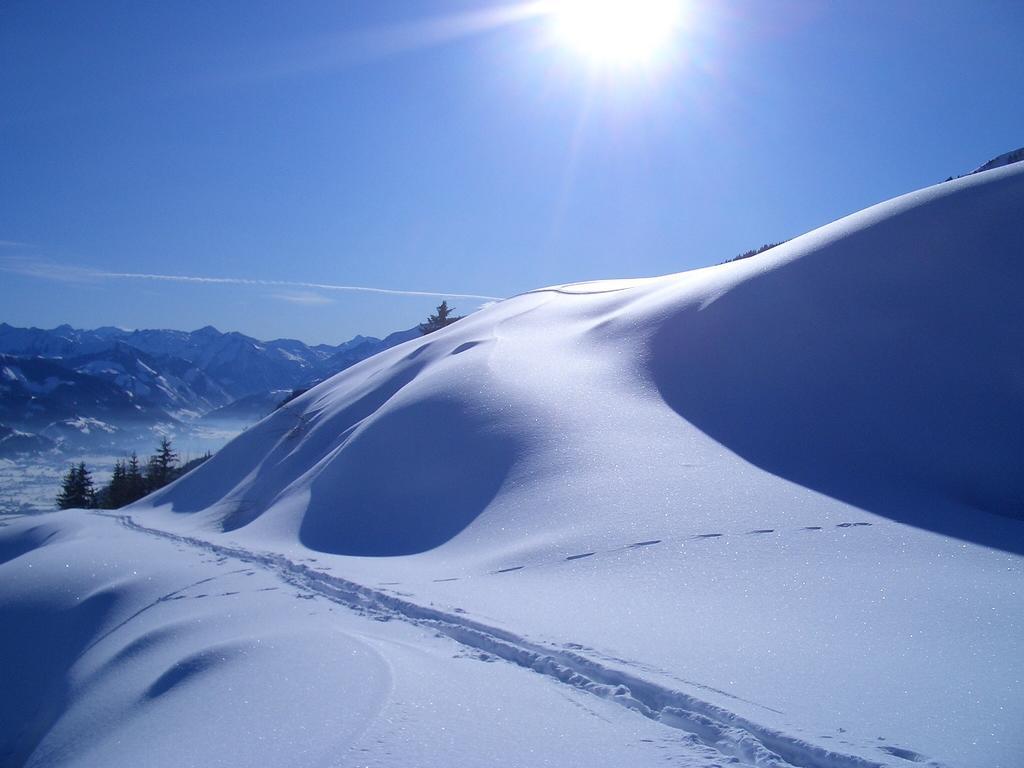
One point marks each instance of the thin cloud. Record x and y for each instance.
(306, 298)
(50, 271)
(44, 270)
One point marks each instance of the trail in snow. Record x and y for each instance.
(710, 725)
(635, 545)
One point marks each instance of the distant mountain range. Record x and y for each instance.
(70, 385)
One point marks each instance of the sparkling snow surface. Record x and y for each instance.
(767, 513)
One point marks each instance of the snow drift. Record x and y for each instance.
(878, 360)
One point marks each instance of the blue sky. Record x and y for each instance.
(413, 146)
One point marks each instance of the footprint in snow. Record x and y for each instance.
(509, 570)
(579, 557)
(708, 535)
(762, 530)
(646, 543)
(904, 754)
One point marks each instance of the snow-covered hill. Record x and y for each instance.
(1007, 158)
(181, 390)
(35, 392)
(773, 509)
(876, 360)
(249, 409)
(14, 442)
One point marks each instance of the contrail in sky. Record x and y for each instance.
(34, 268)
(285, 284)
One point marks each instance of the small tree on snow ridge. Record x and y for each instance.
(440, 320)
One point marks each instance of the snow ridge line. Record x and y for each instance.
(705, 723)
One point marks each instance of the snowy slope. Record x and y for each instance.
(1006, 158)
(876, 360)
(773, 507)
(121, 649)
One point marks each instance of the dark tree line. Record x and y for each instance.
(129, 482)
(755, 251)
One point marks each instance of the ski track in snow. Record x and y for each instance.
(738, 739)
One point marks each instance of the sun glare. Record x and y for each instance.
(616, 32)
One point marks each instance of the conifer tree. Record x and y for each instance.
(443, 318)
(114, 495)
(86, 484)
(77, 491)
(68, 489)
(135, 483)
(160, 470)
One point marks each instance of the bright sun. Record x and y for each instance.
(616, 32)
